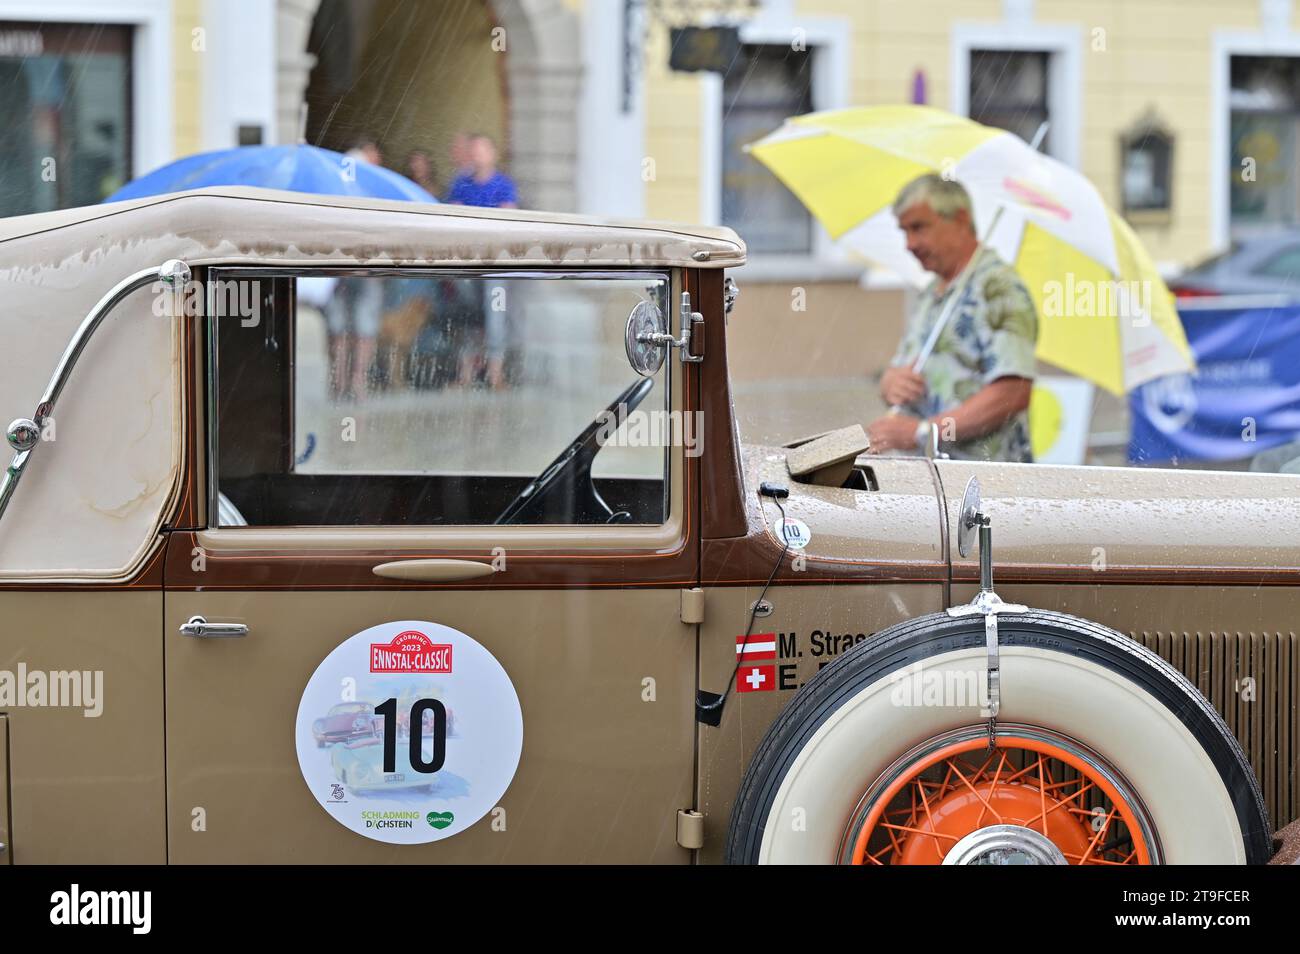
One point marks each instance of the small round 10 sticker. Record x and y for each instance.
(409, 732)
(794, 532)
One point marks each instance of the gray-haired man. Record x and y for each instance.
(974, 388)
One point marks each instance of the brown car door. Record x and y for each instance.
(315, 474)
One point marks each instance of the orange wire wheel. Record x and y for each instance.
(1036, 797)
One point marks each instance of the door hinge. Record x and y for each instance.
(693, 605)
(692, 343)
(690, 829)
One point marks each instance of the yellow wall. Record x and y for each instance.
(1158, 53)
(187, 85)
(1157, 56)
(672, 135)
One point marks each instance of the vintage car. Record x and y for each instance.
(343, 723)
(663, 643)
(360, 766)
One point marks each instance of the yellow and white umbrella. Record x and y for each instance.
(1104, 312)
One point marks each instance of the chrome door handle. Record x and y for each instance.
(198, 626)
(434, 570)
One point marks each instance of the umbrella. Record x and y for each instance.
(299, 168)
(1105, 313)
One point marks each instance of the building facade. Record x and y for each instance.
(1184, 113)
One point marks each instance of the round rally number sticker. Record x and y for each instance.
(794, 532)
(409, 732)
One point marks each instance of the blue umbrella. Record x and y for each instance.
(300, 168)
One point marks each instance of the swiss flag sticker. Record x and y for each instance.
(756, 679)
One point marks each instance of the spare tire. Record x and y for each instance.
(1104, 754)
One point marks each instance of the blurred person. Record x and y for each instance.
(367, 150)
(409, 332)
(353, 313)
(352, 317)
(419, 169)
(974, 388)
(486, 186)
(483, 184)
(459, 154)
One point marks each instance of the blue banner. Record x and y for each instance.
(1243, 399)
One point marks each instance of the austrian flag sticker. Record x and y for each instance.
(753, 648)
(411, 651)
(752, 676)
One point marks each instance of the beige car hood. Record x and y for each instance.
(1123, 524)
(1113, 523)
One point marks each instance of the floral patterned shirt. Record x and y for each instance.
(992, 334)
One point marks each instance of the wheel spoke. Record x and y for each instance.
(936, 835)
(993, 785)
(937, 847)
(1042, 794)
(1026, 782)
(976, 792)
(1105, 825)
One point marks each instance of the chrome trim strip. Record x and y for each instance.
(1223, 302)
(212, 518)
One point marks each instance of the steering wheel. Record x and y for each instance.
(566, 481)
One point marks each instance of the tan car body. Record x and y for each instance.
(192, 758)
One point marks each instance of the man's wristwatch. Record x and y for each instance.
(923, 430)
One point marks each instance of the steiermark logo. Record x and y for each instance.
(440, 820)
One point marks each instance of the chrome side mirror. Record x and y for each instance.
(661, 340)
(642, 335)
(970, 519)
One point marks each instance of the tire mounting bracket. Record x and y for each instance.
(986, 602)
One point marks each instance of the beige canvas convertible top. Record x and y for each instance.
(93, 497)
(230, 224)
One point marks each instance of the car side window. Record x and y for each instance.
(400, 398)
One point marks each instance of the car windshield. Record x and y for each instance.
(1214, 261)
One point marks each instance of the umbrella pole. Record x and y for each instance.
(957, 292)
(962, 281)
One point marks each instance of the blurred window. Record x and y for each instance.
(1208, 265)
(1285, 265)
(1146, 173)
(1264, 105)
(373, 399)
(1008, 90)
(66, 115)
(763, 86)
